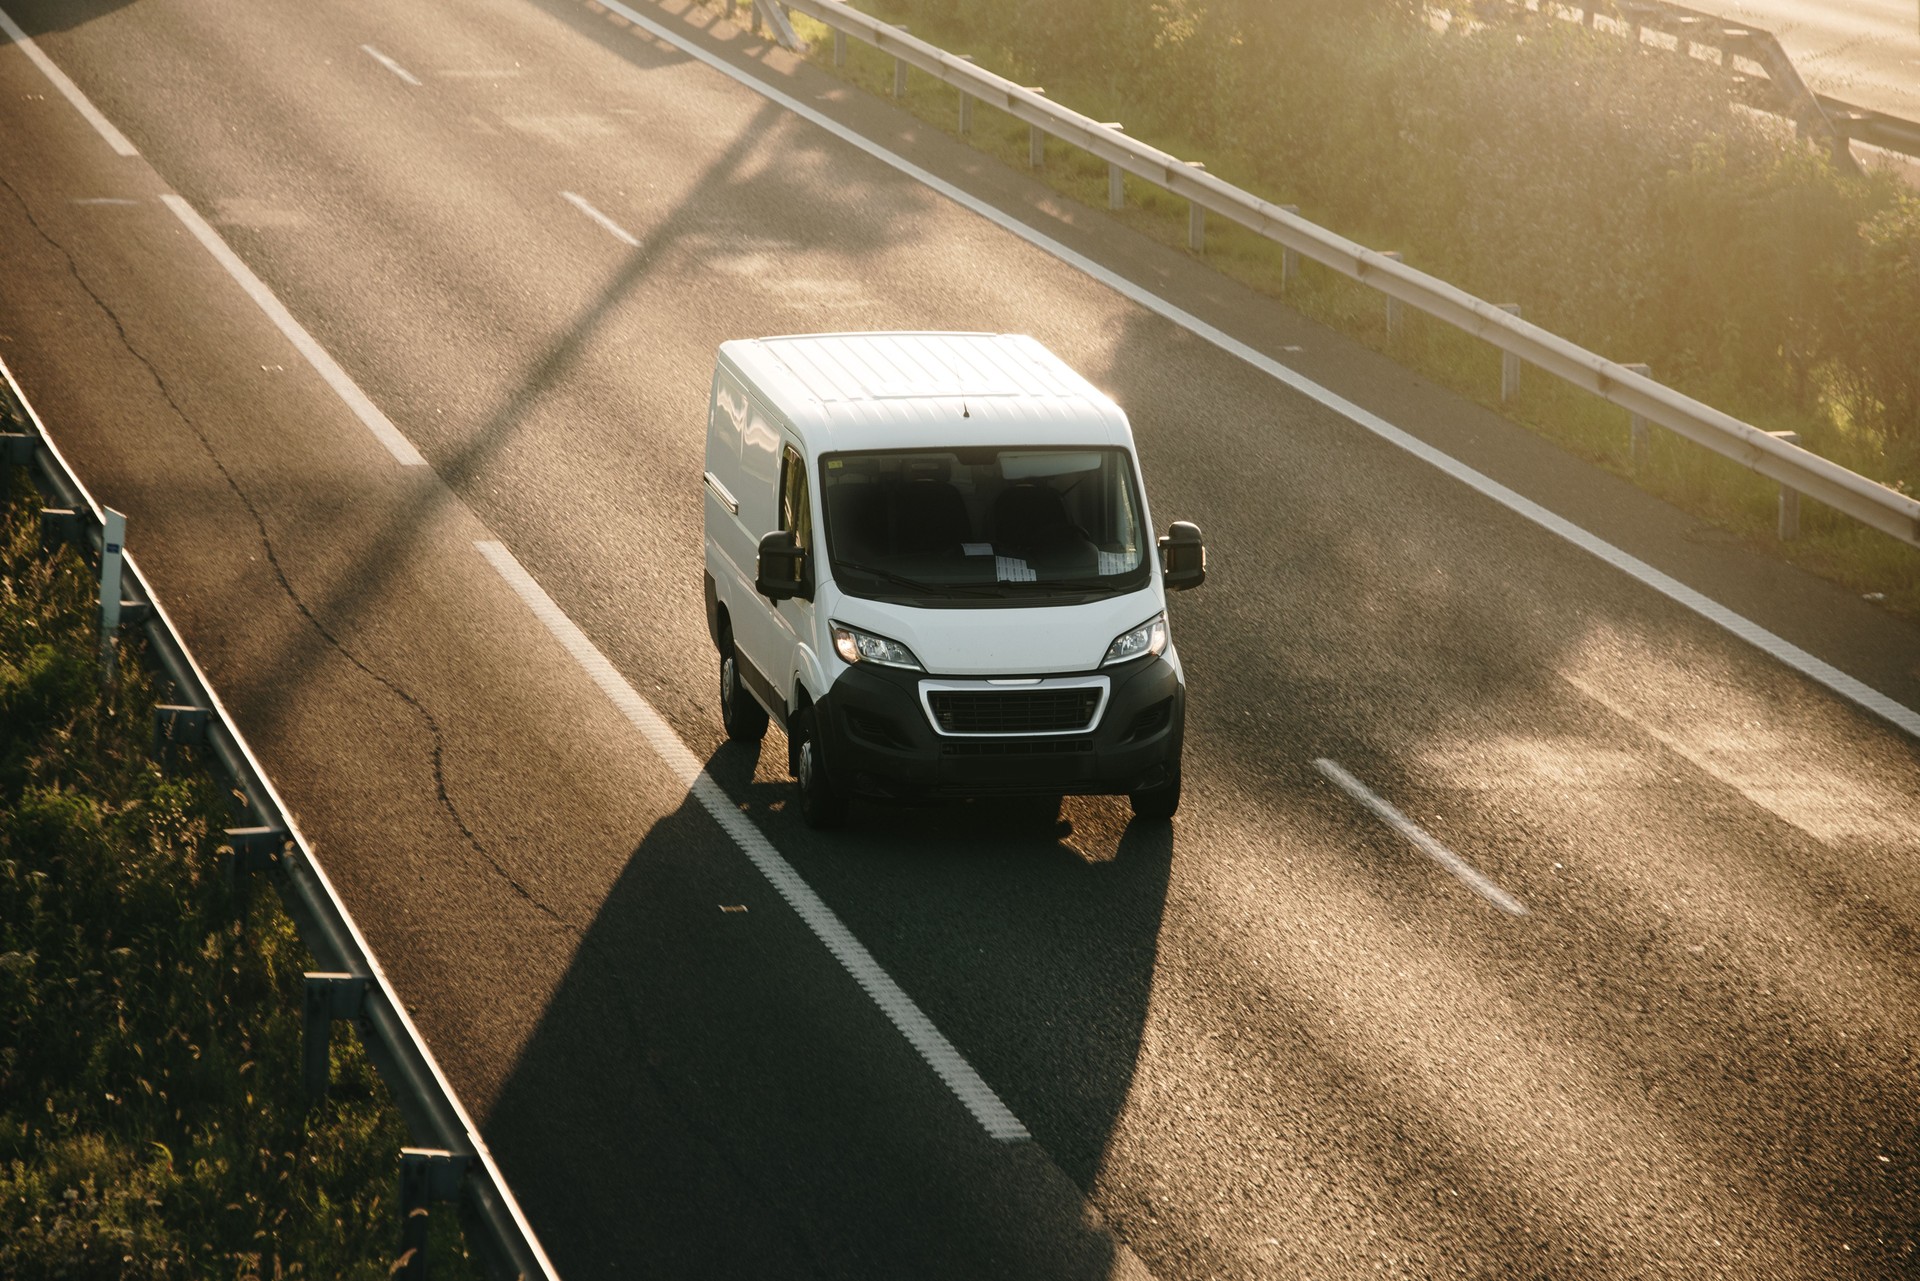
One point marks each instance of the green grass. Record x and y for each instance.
(152, 1118)
(1680, 279)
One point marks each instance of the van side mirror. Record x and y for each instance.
(1183, 556)
(783, 572)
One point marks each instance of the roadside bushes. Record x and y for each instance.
(1878, 324)
(1622, 196)
(1628, 201)
(151, 1117)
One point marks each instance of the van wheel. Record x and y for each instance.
(822, 805)
(742, 717)
(1157, 803)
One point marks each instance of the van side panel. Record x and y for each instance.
(729, 550)
(763, 642)
(743, 453)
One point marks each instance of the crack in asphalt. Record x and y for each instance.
(279, 572)
(802, 1241)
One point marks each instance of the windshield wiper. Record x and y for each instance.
(915, 584)
(1103, 586)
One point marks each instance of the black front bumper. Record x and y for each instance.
(879, 741)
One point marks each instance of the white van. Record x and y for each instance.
(929, 557)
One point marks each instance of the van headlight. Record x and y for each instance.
(1148, 638)
(856, 646)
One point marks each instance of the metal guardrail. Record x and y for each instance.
(352, 985)
(1785, 92)
(1875, 128)
(1795, 469)
(1833, 122)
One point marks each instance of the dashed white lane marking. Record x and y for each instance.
(1469, 875)
(68, 90)
(364, 409)
(1815, 669)
(390, 65)
(946, 1061)
(1785, 651)
(615, 229)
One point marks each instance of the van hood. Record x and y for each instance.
(1034, 640)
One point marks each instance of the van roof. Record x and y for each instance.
(899, 390)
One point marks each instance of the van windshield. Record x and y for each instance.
(1002, 524)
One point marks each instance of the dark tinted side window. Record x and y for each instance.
(795, 512)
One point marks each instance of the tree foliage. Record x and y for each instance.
(1623, 196)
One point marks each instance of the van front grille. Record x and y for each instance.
(1010, 711)
(1000, 748)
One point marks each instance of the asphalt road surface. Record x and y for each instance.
(450, 585)
(1864, 51)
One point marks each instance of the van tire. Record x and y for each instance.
(822, 804)
(740, 715)
(1157, 804)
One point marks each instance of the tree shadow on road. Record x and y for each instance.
(42, 17)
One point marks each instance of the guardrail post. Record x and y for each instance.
(900, 70)
(324, 922)
(1509, 363)
(1196, 218)
(250, 850)
(1116, 176)
(1393, 304)
(59, 526)
(16, 450)
(1639, 440)
(1036, 138)
(1289, 258)
(1789, 521)
(328, 997)
(778, 18)
(113, 536)
(966, 103)
(176, 726)
(1036, 147)
(427, 1175)
(839, 48)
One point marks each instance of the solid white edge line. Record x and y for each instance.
(349, 391)
(68, 90)
(1468, 874)
(1785, 651)
(618, 232)
(974, 1093)
(309, 860)
(390, 65)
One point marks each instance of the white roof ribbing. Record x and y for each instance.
(880, 390)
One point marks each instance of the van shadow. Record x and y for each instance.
(709, 1090)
